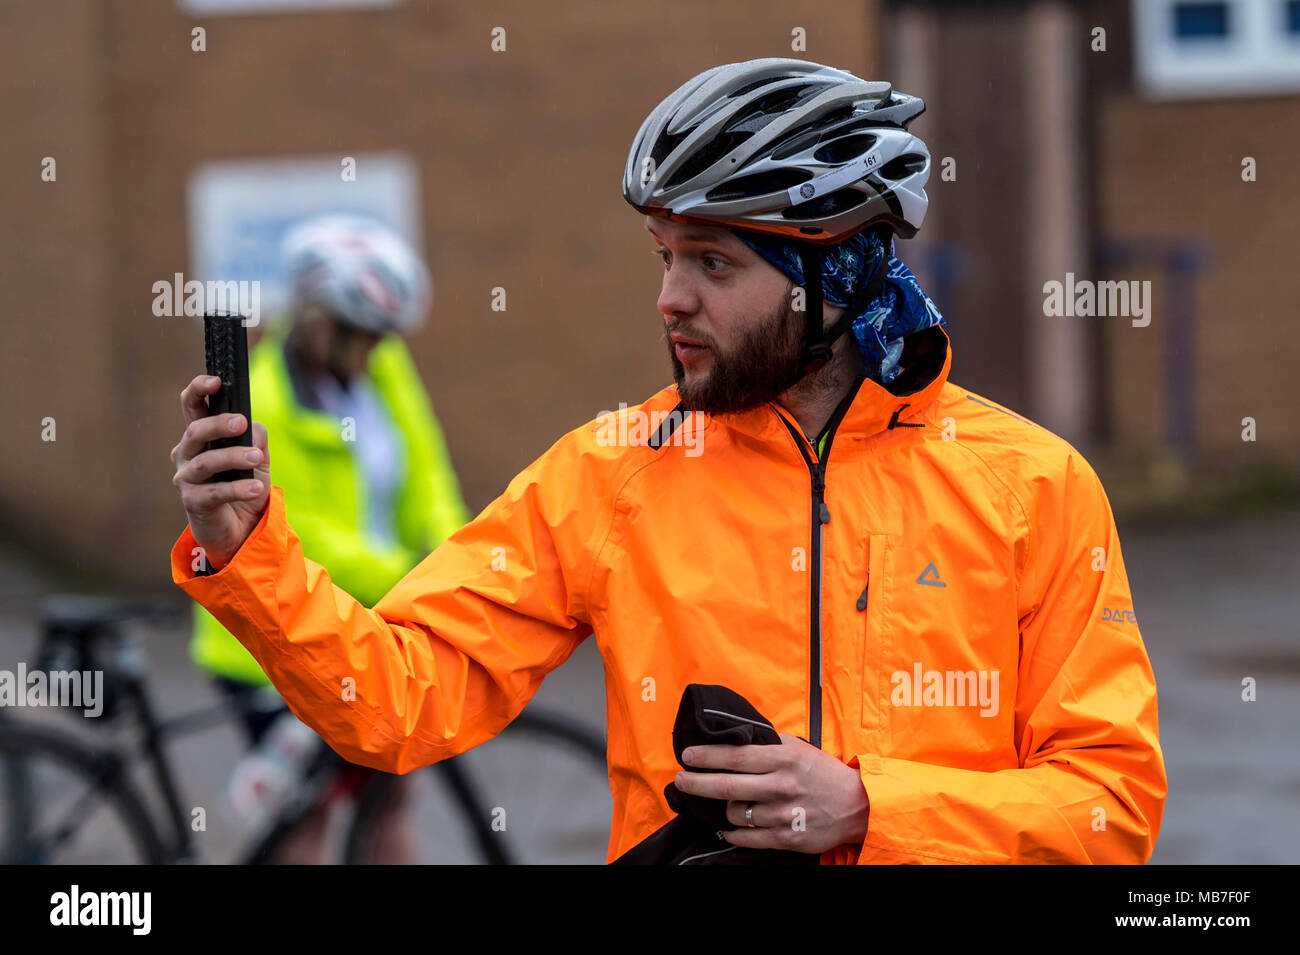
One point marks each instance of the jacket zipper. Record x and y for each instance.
(821, 515)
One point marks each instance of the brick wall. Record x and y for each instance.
(520, 156)
(1173, 170)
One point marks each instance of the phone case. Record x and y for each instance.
(225, 349)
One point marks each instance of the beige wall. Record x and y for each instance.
(520, 157)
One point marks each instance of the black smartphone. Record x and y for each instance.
(225, 351)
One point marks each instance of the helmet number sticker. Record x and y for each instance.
(847, 173)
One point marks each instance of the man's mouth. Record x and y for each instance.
(687, 349)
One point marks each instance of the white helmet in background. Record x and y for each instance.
(361, 270)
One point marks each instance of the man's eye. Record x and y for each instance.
(712, 263)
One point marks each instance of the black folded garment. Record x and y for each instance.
(709, 714)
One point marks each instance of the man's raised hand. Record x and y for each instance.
(222, 513)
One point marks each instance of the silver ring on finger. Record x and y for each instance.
(749, 817)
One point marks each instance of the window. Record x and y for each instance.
(1196, 20)
(1292, 17)
(1193, 48)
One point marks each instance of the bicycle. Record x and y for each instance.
(99, 814)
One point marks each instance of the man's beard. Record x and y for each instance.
(757, 370)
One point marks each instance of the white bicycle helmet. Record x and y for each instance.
(782, 146)
(361, 270)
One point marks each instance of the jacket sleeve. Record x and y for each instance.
(450, 655)
(1091, 784)
(362, 566)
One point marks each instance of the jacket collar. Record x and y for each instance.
(873, 408)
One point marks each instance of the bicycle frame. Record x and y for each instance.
(85, 634)
(178, 840)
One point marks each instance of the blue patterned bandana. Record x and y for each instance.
(901, 308)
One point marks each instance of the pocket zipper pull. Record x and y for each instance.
(862, 600)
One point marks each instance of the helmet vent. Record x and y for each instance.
(666, 143)
(844, 149)
(707, 155)
(808, 135)
(768, 107)
(759, 184)
(901, 166)
(757, 84)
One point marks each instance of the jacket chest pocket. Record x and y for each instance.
(940, 647)
(873, 624)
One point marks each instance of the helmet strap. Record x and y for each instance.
(818, 345)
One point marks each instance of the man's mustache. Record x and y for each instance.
(684, 332)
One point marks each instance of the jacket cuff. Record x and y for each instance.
(896, 804)
(249, 572)
(183, 556)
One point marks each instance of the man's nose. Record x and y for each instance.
(677, 296)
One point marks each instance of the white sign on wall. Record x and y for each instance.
(239, 211)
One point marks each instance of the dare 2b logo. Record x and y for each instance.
(1118, 615)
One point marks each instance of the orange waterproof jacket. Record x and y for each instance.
(946, 610)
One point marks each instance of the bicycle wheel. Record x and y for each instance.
(62, 802)
(537, 793)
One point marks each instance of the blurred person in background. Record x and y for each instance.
(359, 451)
